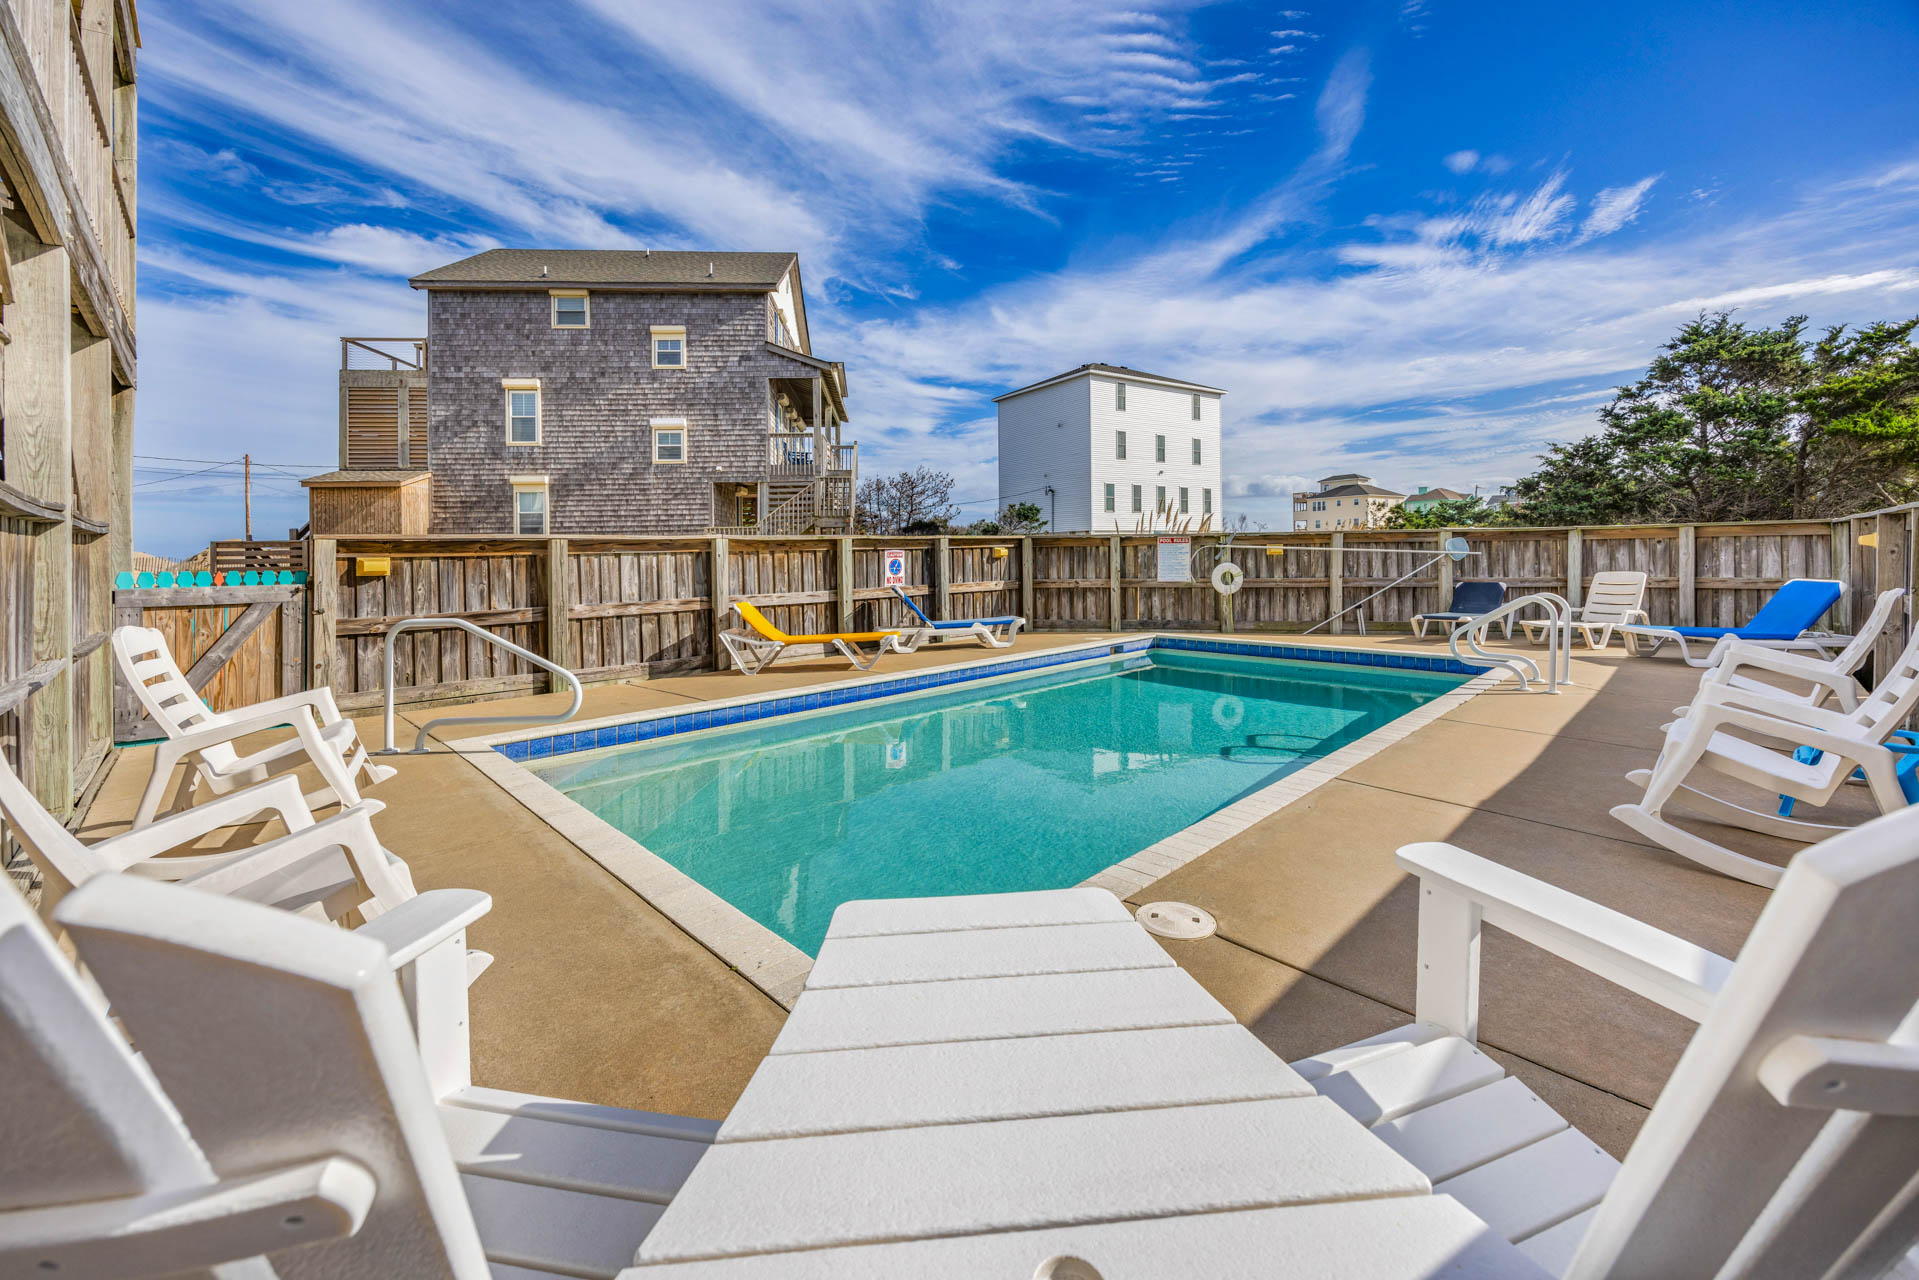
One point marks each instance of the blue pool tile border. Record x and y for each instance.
(624, 734)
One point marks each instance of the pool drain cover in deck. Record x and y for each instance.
(1176, 920)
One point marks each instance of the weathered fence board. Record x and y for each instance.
(236, 645)
(636, 607)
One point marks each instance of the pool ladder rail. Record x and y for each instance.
(420, 747)
(1559, 647)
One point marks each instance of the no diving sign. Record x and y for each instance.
(894, 564)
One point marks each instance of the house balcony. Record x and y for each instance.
(796, 455)
(810, 486)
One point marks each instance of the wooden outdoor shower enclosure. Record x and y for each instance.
(630, 608)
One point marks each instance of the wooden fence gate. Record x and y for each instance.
(238, 645)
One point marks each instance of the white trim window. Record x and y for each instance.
(1112, 496)
(1137, 499)
(1119, 446)
(1159, 499)
(1196, 451)
(669, 346)
(523, 415)
(669, 440)
(1159, 448)
(1206, 502)
(1119, 397)
(1185, 508)
(569, 308)
(1195, 411)
(529, 505)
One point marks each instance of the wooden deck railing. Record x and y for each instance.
(238, 556)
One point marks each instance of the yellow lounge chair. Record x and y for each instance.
(754, 650)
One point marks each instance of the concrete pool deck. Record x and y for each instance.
(596, 996)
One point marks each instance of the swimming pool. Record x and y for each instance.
(1037, 781)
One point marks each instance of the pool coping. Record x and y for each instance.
(776, 966)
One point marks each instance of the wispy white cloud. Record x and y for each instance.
(1455, 363)
(1462, 161)
(1614, 207)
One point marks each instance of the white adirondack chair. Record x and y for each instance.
(1847, 741)
(1613, 599)
(1829, 680)
(204, 737)
(319, 869)
(279, 1107)
(1785, 1143)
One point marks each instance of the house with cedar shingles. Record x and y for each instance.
(565, 391)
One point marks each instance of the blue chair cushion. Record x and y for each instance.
(1474, 598)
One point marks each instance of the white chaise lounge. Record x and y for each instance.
(274, 1103)
(204, 737)
(1613, 599)
(1785, 621)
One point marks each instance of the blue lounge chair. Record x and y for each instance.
(1470, 600)
(1783, 622)
(996, 633)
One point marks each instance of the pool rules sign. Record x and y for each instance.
(894, 565)
(1175, 560)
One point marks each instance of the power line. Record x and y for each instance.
(313, 466)
(183, 475)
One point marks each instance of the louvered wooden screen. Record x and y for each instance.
(416, 426)
(373, 428)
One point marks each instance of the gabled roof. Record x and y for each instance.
(1117, 371)
(1437, 495)
(611, 268)
(1356, 491)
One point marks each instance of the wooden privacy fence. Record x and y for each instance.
(624, 608)
(238, 645)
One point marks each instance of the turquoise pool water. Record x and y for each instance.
(1031, 783)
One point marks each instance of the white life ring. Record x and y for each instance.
(1228, 712)
(1228, 577)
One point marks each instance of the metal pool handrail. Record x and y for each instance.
(419, 743)
(1559, 646)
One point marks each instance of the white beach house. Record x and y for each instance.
(1103, 448)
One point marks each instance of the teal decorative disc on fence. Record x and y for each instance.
(145, 579)
(123, 580)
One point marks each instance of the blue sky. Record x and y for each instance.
(1418, 238)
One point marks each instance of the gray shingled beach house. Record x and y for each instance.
(564, 391)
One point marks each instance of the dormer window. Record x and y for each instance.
(569, 308)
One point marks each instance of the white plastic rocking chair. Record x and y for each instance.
(1846, 741)
(319, 869)
(204, 737)
(287, 1108)
(1832, 679)
(1786, 1141)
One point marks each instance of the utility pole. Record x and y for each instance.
(246, 461)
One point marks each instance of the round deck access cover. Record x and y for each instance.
(1176, 920)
